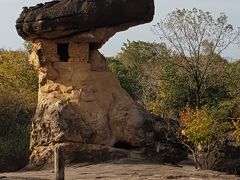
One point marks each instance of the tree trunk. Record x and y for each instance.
(195, 160)
(198, 96)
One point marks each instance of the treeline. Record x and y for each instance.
(18, 96)
(156, 79)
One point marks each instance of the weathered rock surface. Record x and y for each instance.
(122, 171)
(80, 104)
(161, 143)
(57, 19)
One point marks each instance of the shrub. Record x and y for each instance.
(203, 134)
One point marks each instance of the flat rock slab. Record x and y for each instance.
(119, 171)
(56, 19)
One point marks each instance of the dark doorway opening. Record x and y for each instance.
(123, 145)
(62, 50)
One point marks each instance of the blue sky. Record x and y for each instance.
(10, 10)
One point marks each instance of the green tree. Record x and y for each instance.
(144, 71)
(142, 60)
(128, 82)
(172, 93)
(198, 39)
(138, 58)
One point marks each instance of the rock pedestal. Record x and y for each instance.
(81, 105)
(79, 102)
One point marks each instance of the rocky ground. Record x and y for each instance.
(121, 170)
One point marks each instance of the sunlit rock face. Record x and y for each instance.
(81, 105)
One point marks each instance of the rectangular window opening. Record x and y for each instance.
(62, 50)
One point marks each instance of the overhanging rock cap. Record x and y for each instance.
(58, 19)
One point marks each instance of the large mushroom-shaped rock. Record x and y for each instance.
(81, 105)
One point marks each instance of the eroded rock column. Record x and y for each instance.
(79, 102)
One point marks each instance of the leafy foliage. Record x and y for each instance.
(17, 79)
(201, 128)
(152, 76)
(127, 80)
(18, 96)
(203, 133)
(145, 72)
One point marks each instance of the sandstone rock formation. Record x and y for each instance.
(81, 105)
